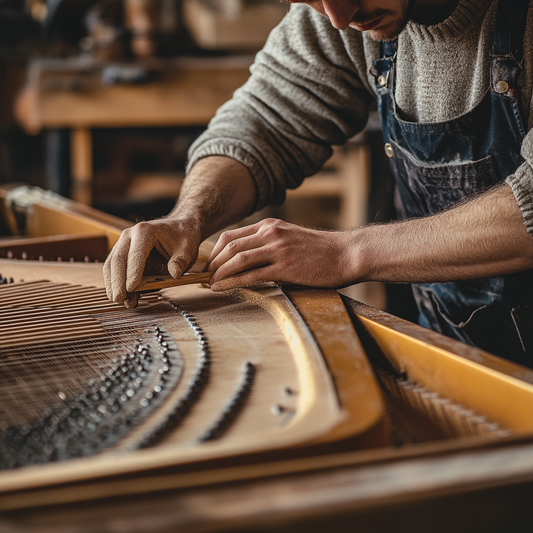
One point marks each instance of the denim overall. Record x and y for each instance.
(437, 165)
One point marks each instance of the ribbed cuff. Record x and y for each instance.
(521, 183)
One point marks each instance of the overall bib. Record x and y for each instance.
(437, 165)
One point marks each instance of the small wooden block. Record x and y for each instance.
(150, 283)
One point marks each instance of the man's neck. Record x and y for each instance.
(431, 12)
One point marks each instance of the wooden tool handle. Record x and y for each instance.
(150, 283)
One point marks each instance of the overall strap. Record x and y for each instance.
(387, 49)
(382, 67)
(507, 48)
(511, 19)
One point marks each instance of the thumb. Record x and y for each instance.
(179, 263)
(176, 266)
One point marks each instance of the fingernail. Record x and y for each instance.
(131, 301)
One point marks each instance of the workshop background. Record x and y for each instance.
(101, 99)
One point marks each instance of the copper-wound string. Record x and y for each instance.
(56, 337)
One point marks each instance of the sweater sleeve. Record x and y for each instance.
(307, 91)
(521, 182)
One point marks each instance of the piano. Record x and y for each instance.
(274, 407)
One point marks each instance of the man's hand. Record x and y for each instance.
(176, 248)
(218, 191)
(273, 250)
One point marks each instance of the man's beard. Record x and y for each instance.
(392, 30)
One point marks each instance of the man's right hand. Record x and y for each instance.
(218, 192)
(163, 246)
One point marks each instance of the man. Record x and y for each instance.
(453, 84)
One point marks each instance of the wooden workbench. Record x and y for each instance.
(71, 93)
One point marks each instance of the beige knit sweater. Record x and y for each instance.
(311, 88)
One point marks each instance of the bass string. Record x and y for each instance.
(56, 294)
(12, 357)
(69, 361)
(118, 324)
(53, 358)
(45, 370)
(43, 381)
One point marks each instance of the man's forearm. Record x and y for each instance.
(481, 238)
(218, 191)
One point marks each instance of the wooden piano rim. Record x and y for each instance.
(152, 479)
(47, 218)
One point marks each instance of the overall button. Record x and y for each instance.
(388, 150)
(502, 87)
(382, 80)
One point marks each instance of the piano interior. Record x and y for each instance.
(193, 384)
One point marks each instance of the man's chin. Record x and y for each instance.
(383, 34)
(379, 36)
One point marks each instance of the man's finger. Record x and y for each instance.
(244, 279)
(114, 270)
(131, 300)
(242, 262)
(138, 254)
(231, 235)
